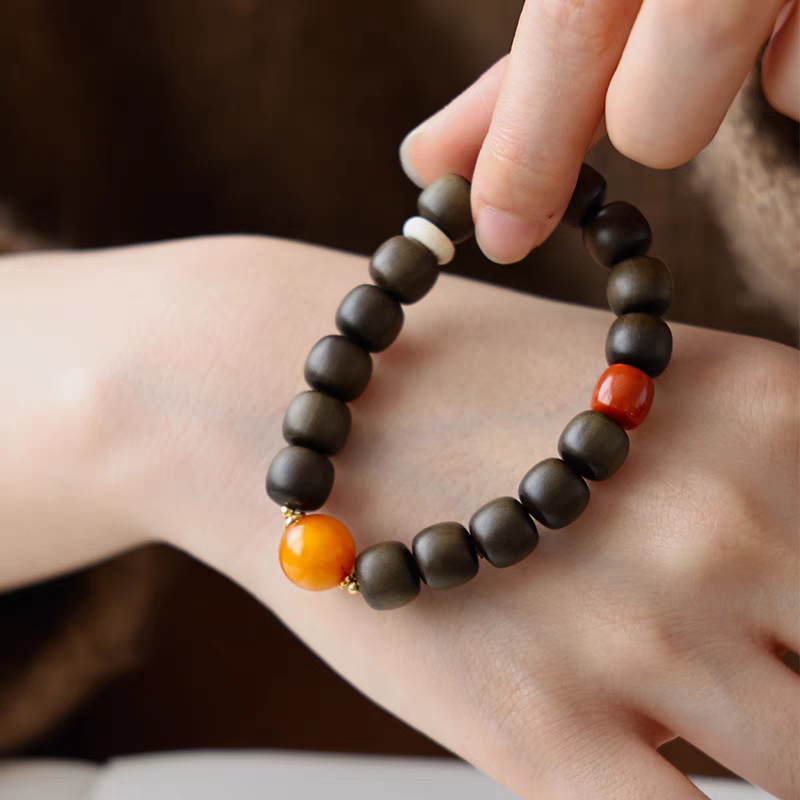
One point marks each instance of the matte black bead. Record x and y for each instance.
(370, 317)
(594, 445)
(445, 554)
(338, 367)
(503, 532)
(587, 197)
(317, 421)
(640, 340)
(387, 575)
(446, 203)
(299, 478)
(405, 268)
(642, 283)
(554, 493)
(617, 231)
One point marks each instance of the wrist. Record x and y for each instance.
(63, 470)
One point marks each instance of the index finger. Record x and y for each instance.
(551, 101)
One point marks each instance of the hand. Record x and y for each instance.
(661, 611)
(658, 75)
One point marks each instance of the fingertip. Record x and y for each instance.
(504, 237)
(449, 141)
(407, 160)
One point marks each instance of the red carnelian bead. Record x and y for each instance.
(625, 394)
(317, 552)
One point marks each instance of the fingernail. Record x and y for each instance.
(503, 237)
(405, 158)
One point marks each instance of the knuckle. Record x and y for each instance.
(513, 160)
(715, 532)
(657, 637)
(513, 177)
(662, 641)
(774, 391)
(762, 380)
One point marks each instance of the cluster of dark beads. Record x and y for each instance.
(339, 366)
(592, 447)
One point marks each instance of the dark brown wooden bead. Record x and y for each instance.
(503, 532)
(616, 232)
(387, 575)
(446, 555)
(317, 421)
(405, 268)
(642, 283)
(587, 197)
(640, 340)
(554, 493)
(594, 445)
(300, 478)
(338, 367)
(446, 203)
(370, 317)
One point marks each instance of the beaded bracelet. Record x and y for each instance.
(318, 552)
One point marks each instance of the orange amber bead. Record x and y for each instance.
(625, 394)
(317, 552)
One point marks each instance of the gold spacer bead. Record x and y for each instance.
(350, 584)
(290, 515)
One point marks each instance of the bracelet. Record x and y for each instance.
(317, 551)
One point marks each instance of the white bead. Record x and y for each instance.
(427, 234)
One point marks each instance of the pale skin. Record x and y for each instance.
(143, 391)
(657, 75)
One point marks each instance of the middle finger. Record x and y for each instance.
(682, 66)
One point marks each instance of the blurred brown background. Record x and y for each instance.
(133, 121)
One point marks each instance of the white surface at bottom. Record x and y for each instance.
(270, 775)
(37, 779)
